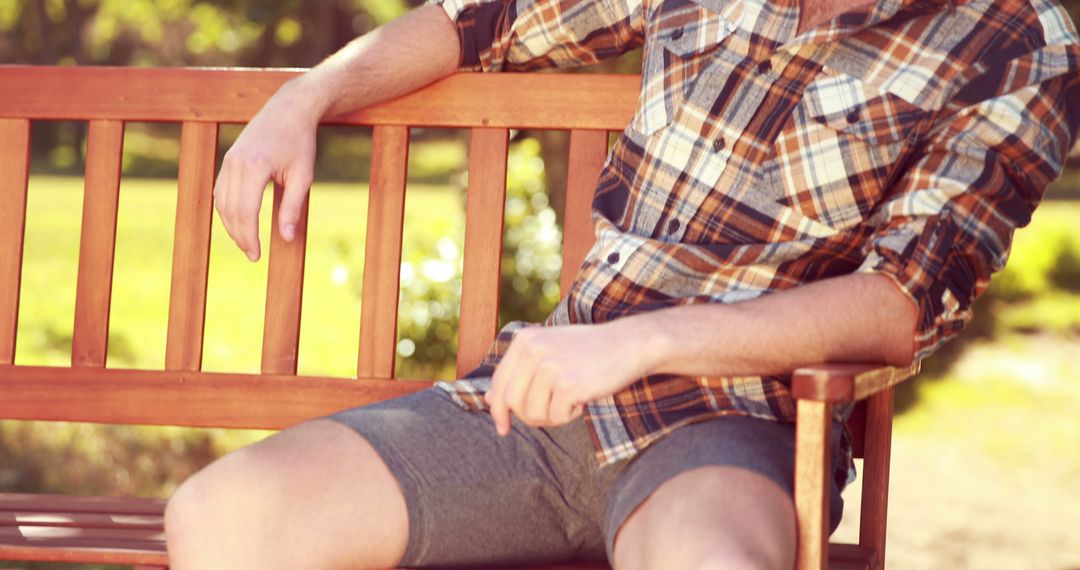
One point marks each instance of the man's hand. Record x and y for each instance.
(549, 373)
(279, 145)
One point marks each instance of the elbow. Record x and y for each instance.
(899, 342)
(899, 313)
(900, 355)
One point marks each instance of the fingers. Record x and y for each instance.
(563, 407)
(297, 185)
(534, 406)
(238, 198)
(500, 411)
(533, 384)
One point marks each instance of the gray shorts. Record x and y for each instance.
(538, 495)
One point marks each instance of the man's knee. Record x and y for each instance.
(749, 546)
(240, 495)
(734, 555)
(710, 518)
(220, 496)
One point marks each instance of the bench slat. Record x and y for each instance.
(79, 520)
(191, 246)
(484, 215)
(37, 533)
(14, 170)
(97, 245)
(182, 398)
(588, 149)
(284, 294)
(46, 503)
(142, 541)
(382, 257)
(526, 101)
(84, 551)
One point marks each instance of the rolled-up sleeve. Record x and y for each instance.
(976, 177)
(523, 35)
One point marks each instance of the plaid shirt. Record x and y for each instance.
(906, 138)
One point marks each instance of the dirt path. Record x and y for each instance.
(971, 488)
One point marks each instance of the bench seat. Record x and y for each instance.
(122, 530)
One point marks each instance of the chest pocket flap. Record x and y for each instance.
(688, 27)
(848, 105)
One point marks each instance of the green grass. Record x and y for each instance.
(329, 332)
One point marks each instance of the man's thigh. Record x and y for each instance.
(712, 494)
(290, 500)
(710, 517)
(474, 497)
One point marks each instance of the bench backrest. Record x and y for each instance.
(589, 106)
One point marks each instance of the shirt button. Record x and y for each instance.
(676, 34)
(853, 116)
(718, 144)
(731, 26)
(613, 258)
(673, 226)
(764, 67)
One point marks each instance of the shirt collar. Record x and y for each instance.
(859, 19)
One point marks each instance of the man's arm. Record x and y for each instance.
(944, 230)
(279, 142)
(549, 372)
(425, 45)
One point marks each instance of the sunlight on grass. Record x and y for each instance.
(329, 332)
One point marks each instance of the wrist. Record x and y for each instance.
(647, 341)
(308, 95)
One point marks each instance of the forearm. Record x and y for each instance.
(853, 318)
(393, 60)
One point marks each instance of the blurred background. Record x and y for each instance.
(986, 469)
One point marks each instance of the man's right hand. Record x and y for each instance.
(278, 144)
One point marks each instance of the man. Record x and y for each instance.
(803, 181)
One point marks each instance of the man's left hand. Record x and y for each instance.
(549, 373)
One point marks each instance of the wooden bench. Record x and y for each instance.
(129, 530)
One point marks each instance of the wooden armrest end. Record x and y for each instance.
(845, 382)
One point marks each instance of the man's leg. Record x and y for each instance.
(717, 517)
(714, 494)
(313, 496)
(415, 481)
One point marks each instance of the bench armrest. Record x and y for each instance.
(846, 382)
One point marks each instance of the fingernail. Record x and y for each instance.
(251, 256)
(289, 232)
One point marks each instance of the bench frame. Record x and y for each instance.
(128, 530)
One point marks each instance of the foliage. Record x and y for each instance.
(431, 284)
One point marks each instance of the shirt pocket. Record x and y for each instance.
(683, 36)
(841, 148)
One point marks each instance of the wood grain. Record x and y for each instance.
(191, 246)
(284, 294)
(93, 551)
(811, 481)
(77, 504)
(76, 520)
(382, 257)
(484, 215)
(14, 170)
(525, 101)
(104, 150)
(873, 520)
(182, 398)
(588, 150)
(843, 382)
